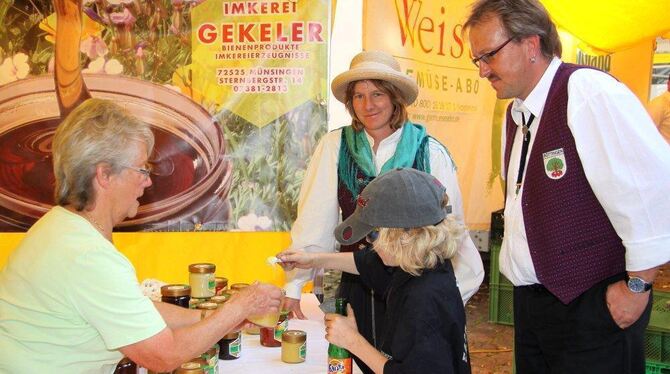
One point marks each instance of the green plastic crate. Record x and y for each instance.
(660, 311)
(657, 345)
(501, 309)
(495, 278)
(656, 368)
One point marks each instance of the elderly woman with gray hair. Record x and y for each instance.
(69, 300)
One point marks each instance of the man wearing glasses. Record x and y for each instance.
(586, 216)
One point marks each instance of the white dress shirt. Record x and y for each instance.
(625, 160)
(319, 209)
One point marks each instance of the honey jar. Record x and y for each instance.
(230, 346)
(221, 285)
(271, 336)
(235, 287)
(177, 294)
(201, 279)
(195, 366)
(293, 346)
(220, 299)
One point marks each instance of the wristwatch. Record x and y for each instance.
(637, 284)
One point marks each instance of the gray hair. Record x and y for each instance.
(97, 131)
(520, 19)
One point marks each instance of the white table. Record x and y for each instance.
(258, 359)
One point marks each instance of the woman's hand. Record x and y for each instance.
(259, 298)
(342, 330)
(297, 258)
(293, 307)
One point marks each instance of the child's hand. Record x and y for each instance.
(296, 258)
(342, 331)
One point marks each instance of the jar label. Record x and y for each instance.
(235, 347)
(280, 328)
(339, 365)
(212, 365)
(303, 351)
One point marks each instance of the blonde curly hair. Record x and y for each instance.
(421, 248)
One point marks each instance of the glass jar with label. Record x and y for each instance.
(271, 336)
(294, 346)
(221, 285)
(195, 366)
(207, 305)
(220, 299)
(236, 287)
(212, 359)
(177, 294)
(230, 346)
(201, 279)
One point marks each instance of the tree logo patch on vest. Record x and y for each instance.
(554, 164)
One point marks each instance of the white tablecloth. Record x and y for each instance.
(258, 359)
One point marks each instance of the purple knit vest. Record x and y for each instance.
(572, 242)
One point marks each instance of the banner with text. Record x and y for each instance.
(234, 91)
(454, 103)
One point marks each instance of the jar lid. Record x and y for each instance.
(202, 268)
(207, 305)
(176, 290)
(238, 286)
(232, 335)
(221, 281)
(196, 366)
(220, 299)
(294, 336)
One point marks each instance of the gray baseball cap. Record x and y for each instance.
(401, 198)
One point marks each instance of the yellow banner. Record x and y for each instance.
(454, 103)
(238, 256)
(632, 66)
(259, 59)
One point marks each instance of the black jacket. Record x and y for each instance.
(425, 318)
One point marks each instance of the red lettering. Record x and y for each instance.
(409, 14)
(429, 28)
(265, 34)
(244, 33)
(280, 37)
(441, 27)
(297, 32)
(458, 29)
(207, 33)
(227, 33)
(314, 30)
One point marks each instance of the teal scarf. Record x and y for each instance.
(356, 154)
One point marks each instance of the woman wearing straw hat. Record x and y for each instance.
(380, 138)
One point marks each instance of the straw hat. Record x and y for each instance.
(375, 65)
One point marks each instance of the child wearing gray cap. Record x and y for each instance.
(403, 215)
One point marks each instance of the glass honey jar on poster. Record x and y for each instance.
(201, 279)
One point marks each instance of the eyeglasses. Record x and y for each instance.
(146, 171)
(486, 57)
